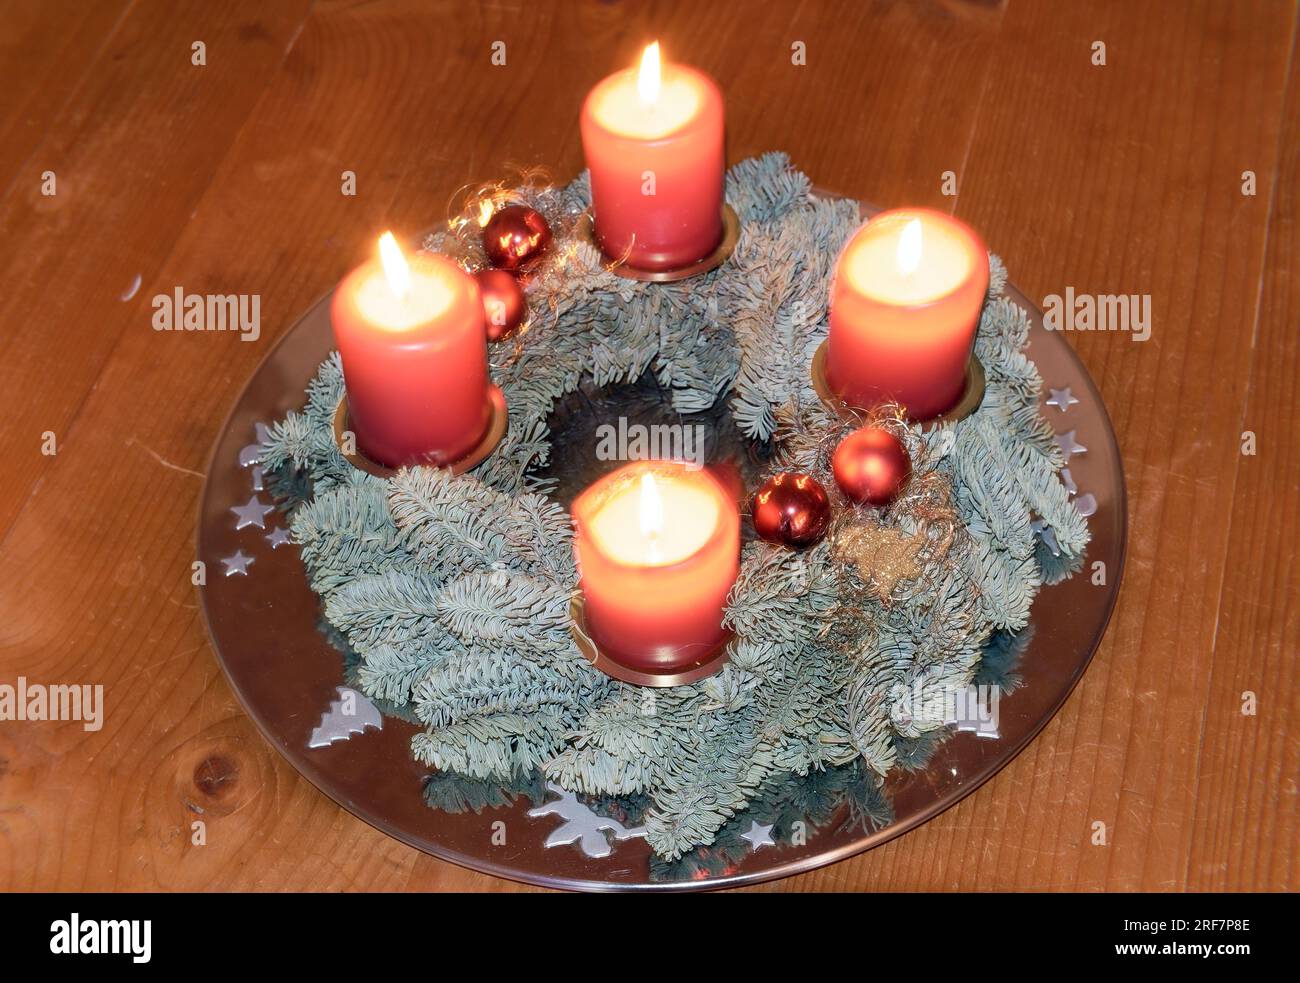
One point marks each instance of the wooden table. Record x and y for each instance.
(1125, 178)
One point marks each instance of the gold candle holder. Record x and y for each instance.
(971, 398)
(586, 231)
(476, 455)
(711, 661)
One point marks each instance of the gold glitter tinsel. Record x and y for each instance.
(883, 556)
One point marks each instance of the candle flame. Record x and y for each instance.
(395, 268)
(647, 80)
(909, 247)
(485, 209)
(652, 507)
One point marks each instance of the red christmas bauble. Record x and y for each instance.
(515, 236)
(791, 509)
(871, 465)
(504, 306)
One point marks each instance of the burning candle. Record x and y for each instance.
(414, 352)
(658, 548)
(653, 140)
(905, 304)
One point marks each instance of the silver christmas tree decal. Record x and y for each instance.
(350, 714)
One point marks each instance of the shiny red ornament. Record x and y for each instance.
(515, 236)
(791, 509)
(871, 465)
(504, 306)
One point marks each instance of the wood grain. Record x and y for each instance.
(1123, 178)
(132, 150)
(48, 50)
(1246, 822)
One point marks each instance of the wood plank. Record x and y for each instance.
(1247, 818)
(176, 719)
(1125, 179)
(411, 146)
(132, 152)
(47, 50)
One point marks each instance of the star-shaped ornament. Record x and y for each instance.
(1069, 446)
(237, 564)
(1068, 480)
(883, 556)
(1062, 399)
(758, 836)
(252, 513)
(278, 538)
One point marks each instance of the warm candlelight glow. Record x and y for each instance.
(485, 209)
(647, 80)
(899, 259)
(656, 520)
(650, 102)
(652, 507)
(395, 268)
(398, 294)
(909, 248)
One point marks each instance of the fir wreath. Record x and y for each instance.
(451, 594)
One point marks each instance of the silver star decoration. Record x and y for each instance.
(581, 825)
(259, 483)
(252, 513)
(251, 454)
(350, 714)
(278, 538)
(1062, 399)
(1047, 535)
(1069, 446)
(758, 836)
(1068, 479)
(1086, 504)
(237, 564)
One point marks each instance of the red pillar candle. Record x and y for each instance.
(654, 146)
(414, 353)
(905, 304)
(658, 548)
